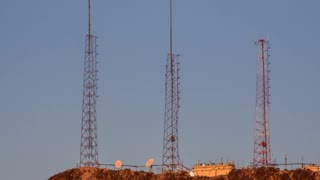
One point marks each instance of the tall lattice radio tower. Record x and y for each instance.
(170, 156)
(89, 137)
(262, 152)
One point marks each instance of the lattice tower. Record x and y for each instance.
(262, 152)
(170, 156)
(89, 136)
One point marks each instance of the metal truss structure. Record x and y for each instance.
(89, 136)
(261, 151)
(170, 156)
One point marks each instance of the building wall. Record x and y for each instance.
(212, 169)
(313, 168)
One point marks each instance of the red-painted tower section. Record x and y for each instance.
(89, 136)
(262, 152)
(170, 156)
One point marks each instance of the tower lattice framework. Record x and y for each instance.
(262, 152)
(89, 136)
(170, 156)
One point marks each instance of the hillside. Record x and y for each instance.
(127, 174)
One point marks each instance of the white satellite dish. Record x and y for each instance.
(118, 164)
(149, 162)
(191, 173)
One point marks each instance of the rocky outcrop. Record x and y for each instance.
(126, 174)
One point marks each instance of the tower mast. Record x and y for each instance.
(170, 156)
(89, 136)
(261, 151)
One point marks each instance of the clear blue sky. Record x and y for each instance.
(41, 71)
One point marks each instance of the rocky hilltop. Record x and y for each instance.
(126, 174)
(272, 174)
(237, 174)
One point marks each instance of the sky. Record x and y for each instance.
(41, 75)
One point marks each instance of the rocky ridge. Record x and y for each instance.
(89, 173)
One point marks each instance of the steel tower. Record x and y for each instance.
(89, 137)
(170, 156)
(261, 151)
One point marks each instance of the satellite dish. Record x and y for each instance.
(149, 162)
(118, 164)
(191, 173)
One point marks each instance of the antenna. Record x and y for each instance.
(89, 136)
(149, 162)
(89, 17)
(170, 155)
(118, 164)
(171, 30)
(286, 160)
(261, 150)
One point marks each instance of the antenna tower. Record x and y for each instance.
(170, 156)
(261, 151)
(89, 137)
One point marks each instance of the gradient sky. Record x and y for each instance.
(41, 74)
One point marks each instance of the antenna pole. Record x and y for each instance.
(171, 30)
(89, 17)
(89, 26)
